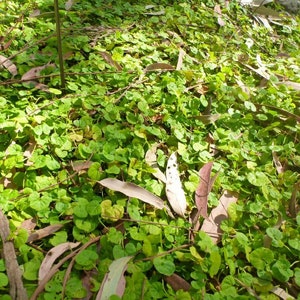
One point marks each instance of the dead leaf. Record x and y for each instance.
(159, 67)
(35, 72)
(261, 70)
(9, 65)
(41, 233)
(177, 282)
(52, 255)
(217, 10)
(134, 191)
(279, 167)
(174, 190)
(208, 119)
(293, 209)
(114, 281)
(292, 84)
(35, 13)
(69, 4)
(107, 57)
(29, 225)
(29, 151)
(180, 59)
(212, 225)
(156, 13)
(203, 189)
(80, 165)
(151, 160)
(281, 293)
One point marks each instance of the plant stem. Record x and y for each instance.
(59, 45)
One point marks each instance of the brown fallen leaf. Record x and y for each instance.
(291, 84)
(151, 160)
(180, 59)
(9, 65)
(41, 233)
(29, 225)
(177, 282)
(35, 72)
(203, 189)
(52, 255)
(159, 67)
(134, 191)
(293, 204)
(278, 165)
(217, 10)
(107, 57)
(212, 225)
(81, 165)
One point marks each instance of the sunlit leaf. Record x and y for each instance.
(174, 190)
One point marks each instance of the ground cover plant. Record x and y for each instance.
(94, 204)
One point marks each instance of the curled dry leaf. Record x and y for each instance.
(9, 65)
(212, 225)
(174, 190)
(134, 191)
(114, 281)
(52, 255)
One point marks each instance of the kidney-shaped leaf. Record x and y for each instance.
(135, 191)
(114, 281)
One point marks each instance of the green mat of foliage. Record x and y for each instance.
(213, 82)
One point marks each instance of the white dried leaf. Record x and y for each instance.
(174, 190)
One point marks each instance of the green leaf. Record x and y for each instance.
(87, 259)
(94, 171)
(261, 257)
(215, 259)
(164, 265)
(281, 270)
(111, 212)
(294, 243)
(258, 178)
(297, 276)
(3, 280)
